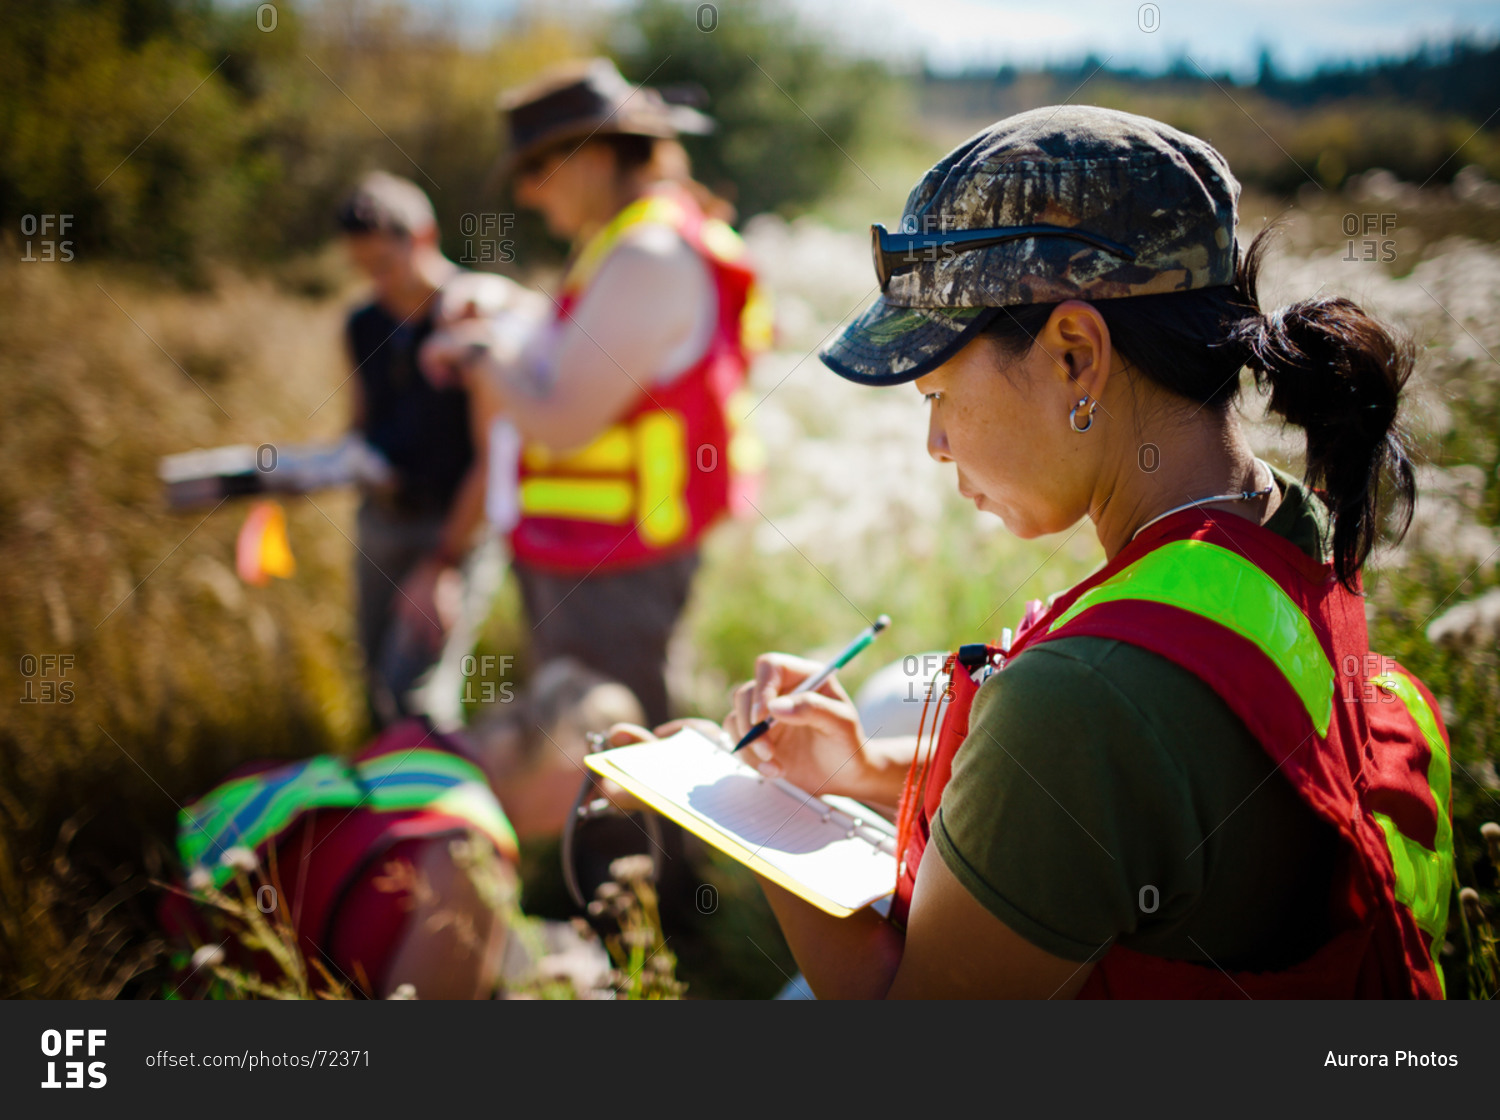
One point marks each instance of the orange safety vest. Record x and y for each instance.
(650, 484)
(1360, 739)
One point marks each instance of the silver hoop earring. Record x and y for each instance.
(1088, 420)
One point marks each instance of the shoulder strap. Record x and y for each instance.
(656, 208)
(1205, 579)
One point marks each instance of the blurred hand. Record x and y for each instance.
(417, 604)
(449, 350)
(479, 314)
(816, 742)
(477, 295)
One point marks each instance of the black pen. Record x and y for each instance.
(815, 681)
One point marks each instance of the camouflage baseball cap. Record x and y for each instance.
(1064, 202)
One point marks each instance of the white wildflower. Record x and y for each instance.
(241, 859)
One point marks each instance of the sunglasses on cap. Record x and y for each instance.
(897, 252)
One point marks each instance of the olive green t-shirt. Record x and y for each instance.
(1104, 794)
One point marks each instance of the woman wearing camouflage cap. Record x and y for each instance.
(1187, 775)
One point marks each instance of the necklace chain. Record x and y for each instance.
(1239, 496)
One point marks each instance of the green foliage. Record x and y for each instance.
(178, 133)
(792, 113)
(1423, 117)
(105, 115)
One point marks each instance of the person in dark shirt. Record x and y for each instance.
(411, 535)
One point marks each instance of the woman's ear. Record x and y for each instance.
(1077, 335)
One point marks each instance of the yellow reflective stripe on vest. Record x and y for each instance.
(719, 238)
(1223, 586)
(757, 321)
(662, 469)
(655, 445)
(610, 452)
(653, 209)
(609, 500)
(1424, 877)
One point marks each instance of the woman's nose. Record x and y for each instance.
(937, 440)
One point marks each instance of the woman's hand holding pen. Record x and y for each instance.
(816, 741)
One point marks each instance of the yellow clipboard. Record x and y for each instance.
(820, 852)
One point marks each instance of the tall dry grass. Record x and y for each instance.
(178, 671)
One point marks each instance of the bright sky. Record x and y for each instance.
(952, 34)
(1217, 34)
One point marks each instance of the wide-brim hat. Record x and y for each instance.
(579, 100)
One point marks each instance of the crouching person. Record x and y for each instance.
(385, 867)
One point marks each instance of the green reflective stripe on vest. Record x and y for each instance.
(1423, 876)
(441, 782)
(1226, 588)
(248, 812)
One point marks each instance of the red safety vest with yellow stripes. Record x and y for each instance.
(651, 483)
(1359, 738)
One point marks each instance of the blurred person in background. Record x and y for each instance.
(357, 850)
(412, 535)
(623, 400)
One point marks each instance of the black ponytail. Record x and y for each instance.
(1338, 373)
(1331, 369)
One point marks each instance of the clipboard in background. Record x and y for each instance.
(836, 860)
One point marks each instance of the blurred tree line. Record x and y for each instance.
(1423, 117)
(788, 108)
(182, 132)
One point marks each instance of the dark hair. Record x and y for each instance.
(1332, 370)
(385, 203)
(630, 152)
